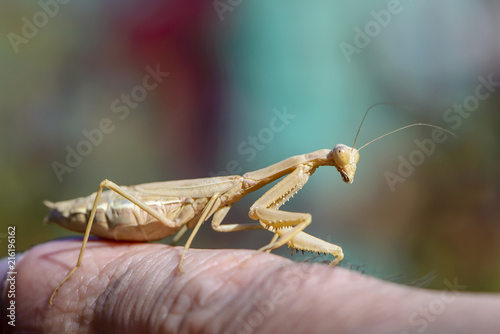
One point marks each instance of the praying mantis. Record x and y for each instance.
(154, 211)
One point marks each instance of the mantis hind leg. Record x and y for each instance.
(119, 190)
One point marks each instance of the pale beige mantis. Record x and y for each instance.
(154, 211)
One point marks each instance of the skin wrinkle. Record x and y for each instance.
(37, 313)
(271, 280)
(182, 303)
(242, 303)
(195, 280)
(101, 269)
(130, 282)
(217, 297)
(116, 270)
(192, 286)
(149, 268)
(204, 273)
(171, 292)
(283, 280)
(154, 279)
(85, 282)
(217, 301)
(200, 297)
(229, 264)
(195, 287)
(108, 306)
(159, 275)
(166, 290)
(104, 277)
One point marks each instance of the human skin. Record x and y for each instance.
(136, 288)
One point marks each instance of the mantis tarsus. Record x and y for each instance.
(154, 211)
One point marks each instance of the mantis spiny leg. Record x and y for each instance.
(289, 225)
(284, 223)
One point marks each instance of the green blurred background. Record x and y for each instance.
(232, 65)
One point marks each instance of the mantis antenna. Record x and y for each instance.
(409, 126)
(394, 131)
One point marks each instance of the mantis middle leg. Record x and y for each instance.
(220, 214)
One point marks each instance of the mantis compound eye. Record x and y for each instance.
(341, 154)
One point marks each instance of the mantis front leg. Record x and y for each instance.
(289, 225)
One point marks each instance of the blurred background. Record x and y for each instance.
(251, 83)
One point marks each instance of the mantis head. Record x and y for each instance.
(345, 159)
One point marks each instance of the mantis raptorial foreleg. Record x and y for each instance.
(290, 225)
(283, 223)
